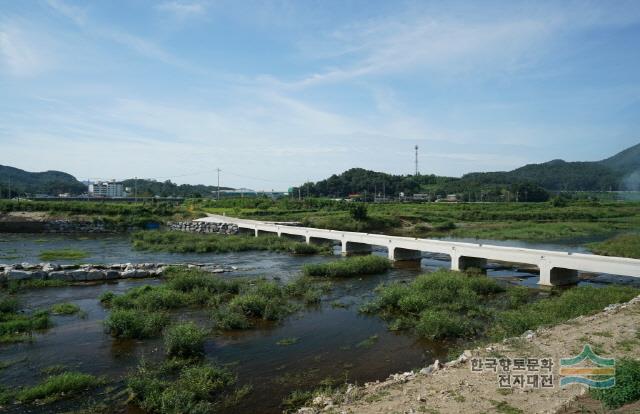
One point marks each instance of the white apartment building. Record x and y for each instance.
(107, 189)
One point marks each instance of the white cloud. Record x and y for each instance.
(183, 9)
(22, 52)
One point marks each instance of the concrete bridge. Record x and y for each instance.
(556, 267)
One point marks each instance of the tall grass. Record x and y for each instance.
(183, 386)
(447, 304)
(135, 323)
(184, 340)
(353, 266)
(182, 242)
(624, 245)
(16, 326)
(59, 386)
(63, 254)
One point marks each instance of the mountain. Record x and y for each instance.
(47, 182)
(620, 172)
(56, 182)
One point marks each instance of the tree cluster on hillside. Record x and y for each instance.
(19, 182)
(152, 188)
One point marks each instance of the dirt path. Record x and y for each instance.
(456, 389)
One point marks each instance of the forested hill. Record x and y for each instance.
(52, 183)
(150, 188)
(47, 182)
(620, 172)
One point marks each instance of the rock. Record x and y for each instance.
(96, 275)
(14, 274)
(111, 274)
(78, 275)
(529, 335)
(60, 275)
(422, 398)
(322, 401)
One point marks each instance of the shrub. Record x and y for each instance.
(9, 305)
(59, 386)
(65, 308)
(358, 211)
(353, 266)
(184, 340)
(130, 323)
(627, 388)
(226, 318)
(183, 386)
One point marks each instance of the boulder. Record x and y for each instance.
(14, 274)
(95, 274)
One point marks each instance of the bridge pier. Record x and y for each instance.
(557, 276)
(405, 255)
(354, 248)
(462, 263)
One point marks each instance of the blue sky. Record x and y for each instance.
(275, 93)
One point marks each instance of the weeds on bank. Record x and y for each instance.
(63, 254)
(183, 242)
(16, 326)
(184, 386)
(624, 245)
(627, 388)
(57, 387)
(353, 266)
(234, 304)
(447, 304)
(65, 309)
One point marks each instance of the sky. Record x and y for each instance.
(275, 93)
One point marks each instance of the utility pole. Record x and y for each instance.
(218, 170)
(417, 173)
(135, 189)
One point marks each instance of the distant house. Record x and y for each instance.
(107, 189)
(450, 198)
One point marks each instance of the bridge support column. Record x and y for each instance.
(399, 254)
(256, 231)
(557, 276)
(354, 248)
(462, 263)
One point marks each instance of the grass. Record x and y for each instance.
(447, 304)
(184, 340)
(135, 323)
(59, 386)
(352, 266)
(233, 303)
(184, 386)
(288, 341)
(627, 388)
(369, 342)
(65, 309)
(16, 326)
(15, 286)
(182, 242)
(624, 245)
(63, 254)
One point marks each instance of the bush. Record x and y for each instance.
(627, 388)
(226, 318)
(358, 211)
(184, 340)
(65, 309)
(183, 386)
(9, 305)
(59, 386)
(130, 323)
(353, 266)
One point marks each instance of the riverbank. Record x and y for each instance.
(455, 388)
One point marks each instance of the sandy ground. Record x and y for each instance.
(24, 216)
(456, 389)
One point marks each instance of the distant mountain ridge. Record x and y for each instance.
(52, 183)
(619, 172)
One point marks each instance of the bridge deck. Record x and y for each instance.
(548, 261)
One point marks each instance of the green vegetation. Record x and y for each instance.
(627, 388)
(65, 309)
(182, 242)
(15, 326)
(352, 266)
(369, 342)
(518, 221)
(624, 245)
(113, 215)
(184, 386)
(63, 254)
(59, 386)
(135, 323)
(288, 341)
(184, 340)
(14, 286)
(447, 304)
(234, 304)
